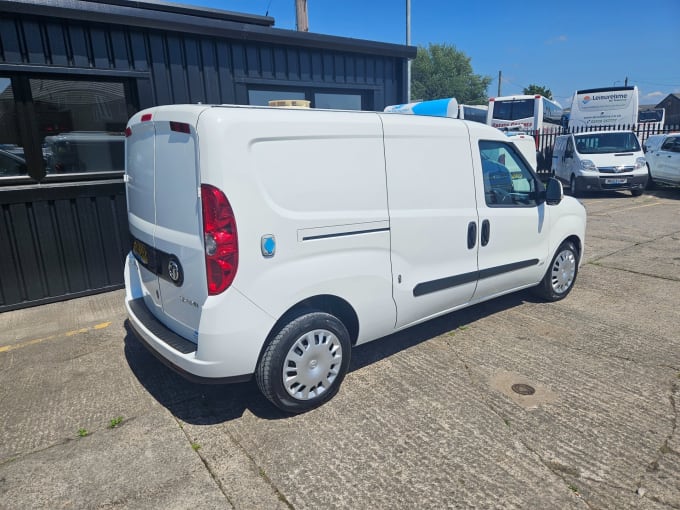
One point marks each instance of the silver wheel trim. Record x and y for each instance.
(312, 364)
(563, 271)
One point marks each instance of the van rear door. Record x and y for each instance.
(165, 194)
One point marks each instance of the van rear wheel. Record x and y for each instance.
(305, 363)
(560, 277)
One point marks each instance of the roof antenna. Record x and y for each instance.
(268, 6)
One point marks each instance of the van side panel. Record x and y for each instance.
(313, 182)
(431, 193)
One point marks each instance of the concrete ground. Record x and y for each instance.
(425, 419)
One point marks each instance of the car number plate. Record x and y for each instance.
(615, 181)
(139, 249)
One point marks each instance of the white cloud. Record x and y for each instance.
(652, 95)
(556, 40)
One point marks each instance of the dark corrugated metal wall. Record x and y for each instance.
(178, 68)
(62, 241)
(59, 243)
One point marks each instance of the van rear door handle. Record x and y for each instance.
(486, 232)
(472, 234)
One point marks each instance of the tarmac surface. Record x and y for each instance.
(426, 418)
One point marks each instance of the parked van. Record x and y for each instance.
(270, 242)
(600, 160)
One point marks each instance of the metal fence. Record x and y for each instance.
(545, 141)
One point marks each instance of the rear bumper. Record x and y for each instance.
(149, 331)
(230, 336)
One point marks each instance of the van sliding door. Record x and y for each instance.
(433, 215)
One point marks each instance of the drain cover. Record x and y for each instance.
(523, 389)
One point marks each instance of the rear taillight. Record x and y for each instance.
(221, 239)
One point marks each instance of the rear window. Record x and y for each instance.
(514, 109)
(602, 143)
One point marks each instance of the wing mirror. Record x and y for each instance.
(554, 192)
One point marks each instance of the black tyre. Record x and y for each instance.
(636, 192)
(305, 363)
(651, 184)
(561, 275)
(572, 186)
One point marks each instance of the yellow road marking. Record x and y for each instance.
(637, 207)
(21, 345)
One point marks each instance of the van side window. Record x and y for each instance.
(508, 182)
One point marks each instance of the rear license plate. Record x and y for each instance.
(140, 251)
(615, 181)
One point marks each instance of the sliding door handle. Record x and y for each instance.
(486, 232)
(472, 235)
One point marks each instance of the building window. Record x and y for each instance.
(262, 97)
(333, 99)
(65, 129)
(81, 125)
(337, 101)
(12, 159)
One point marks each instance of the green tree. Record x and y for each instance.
(532, 90)
(440, 71)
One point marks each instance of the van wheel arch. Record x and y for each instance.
(327, 303)
(561, 274)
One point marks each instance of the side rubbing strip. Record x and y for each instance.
(444, 283)
(494, 271)
(342, 234)
(453, 281)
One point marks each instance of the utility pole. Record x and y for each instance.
(626, 82)
(408, 43)
(500, 74)
(301, 19)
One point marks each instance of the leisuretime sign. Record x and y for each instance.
(616, 100)
(616, 106)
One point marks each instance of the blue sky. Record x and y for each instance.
(563, 46)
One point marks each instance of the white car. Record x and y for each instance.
(663, 158)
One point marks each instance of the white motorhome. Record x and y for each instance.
(268, 242)
(609, 106)
(600, 161)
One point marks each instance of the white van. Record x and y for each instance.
(600, 160)
(270, 241)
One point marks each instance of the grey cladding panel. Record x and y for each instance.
(11, 50)
(79, 47)
(34, 43)
(100, 49)
(56, 44)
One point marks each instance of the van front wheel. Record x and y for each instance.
(573, 186)
(560, 277)
(305, 363)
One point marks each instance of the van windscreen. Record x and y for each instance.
(601, 143)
